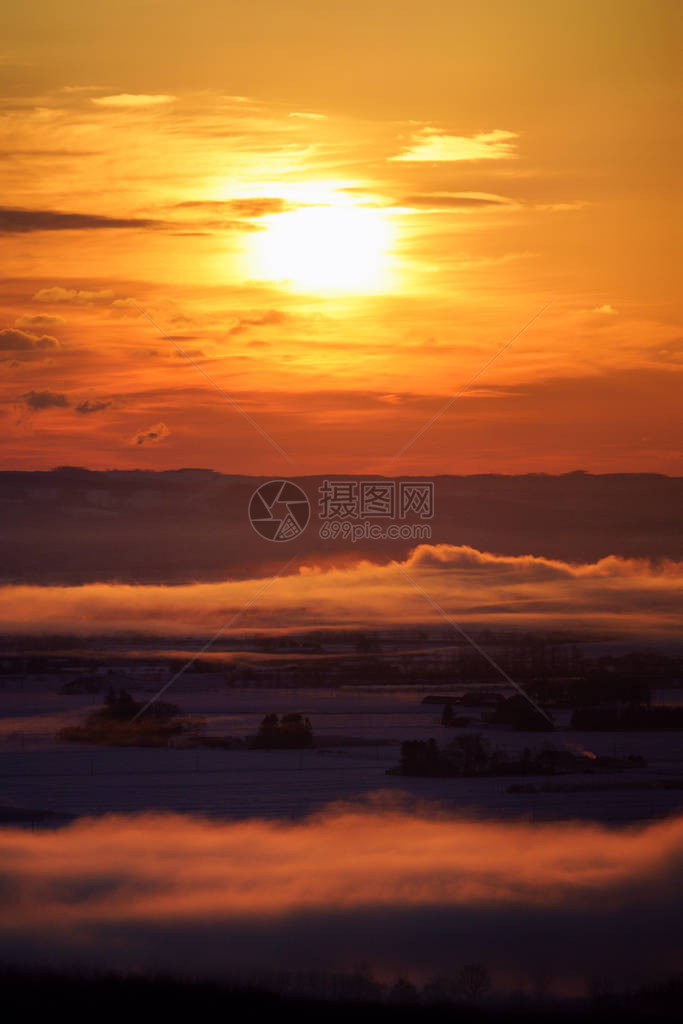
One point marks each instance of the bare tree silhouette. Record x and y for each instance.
(474, 980)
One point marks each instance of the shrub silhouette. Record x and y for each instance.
(123, 722)
(470, 756)
(290, 732)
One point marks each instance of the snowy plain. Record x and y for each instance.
(42, 774)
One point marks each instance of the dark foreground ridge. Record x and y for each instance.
(34, 995)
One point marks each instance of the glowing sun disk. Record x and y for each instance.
(325, 248)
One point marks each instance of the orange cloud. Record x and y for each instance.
(14, 341)
(150, 435)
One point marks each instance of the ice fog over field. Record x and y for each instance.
(403, 889)
(615, 594)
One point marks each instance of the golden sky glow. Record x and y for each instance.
(340, 215)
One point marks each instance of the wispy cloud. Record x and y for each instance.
(129, 99)
(272, 317)
(75, 296)
(453, 201)
(255, 206)
(40, 320)
(434, 145)
(36, 401)
(149, 435)
(14, 221)
(91, 405)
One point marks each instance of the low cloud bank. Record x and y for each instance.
(473, 586)
(404, 890)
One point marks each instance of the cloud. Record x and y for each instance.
(268, 319)
(478, 587)
(73, 296)
(453, 200)
(569, 207)
(85, 88)
(401, 888)
(36, 401)
(152, 435)
(15, 341)
(233, 214)
(125, 308)
(433, 145)
(128, 99)
(670, 352)
(256, 206)
(189, 353)
(25, 342)
(40, 320)
(19, 221)
(91, 405)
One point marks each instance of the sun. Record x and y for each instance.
(333, 247)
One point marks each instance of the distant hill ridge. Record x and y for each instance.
(75, 525)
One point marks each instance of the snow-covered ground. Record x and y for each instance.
(41, 773)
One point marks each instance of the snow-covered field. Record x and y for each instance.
(42, 774)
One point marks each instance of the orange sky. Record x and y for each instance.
(340, 215)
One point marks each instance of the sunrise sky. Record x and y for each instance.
(340, 215)
(298, 245)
